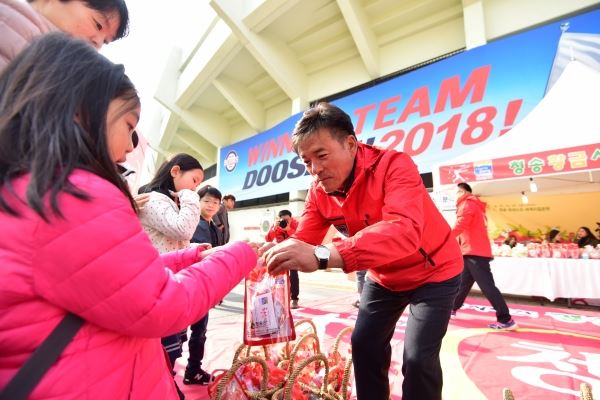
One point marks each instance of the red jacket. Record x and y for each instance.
(393, 227)
(471, 226)
(279, 234)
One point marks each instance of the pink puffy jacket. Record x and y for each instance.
(98, 263)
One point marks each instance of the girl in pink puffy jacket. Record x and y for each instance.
(71, 240)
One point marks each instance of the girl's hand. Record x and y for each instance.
(201, 248)
(141, 200)
(265, 247)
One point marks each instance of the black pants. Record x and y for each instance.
(196, 345)
(380, 309)
(172, 345)
(294, 284)
(477, 269)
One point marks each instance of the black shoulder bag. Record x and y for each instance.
(40, 361)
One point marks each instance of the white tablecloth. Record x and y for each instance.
(548, 277)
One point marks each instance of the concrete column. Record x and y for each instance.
(474, 23)
(299, 104)
(296, 205)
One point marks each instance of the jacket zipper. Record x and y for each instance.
(428, 260)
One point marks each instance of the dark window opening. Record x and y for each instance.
(210, 172)
(427, 180)
(263, 201)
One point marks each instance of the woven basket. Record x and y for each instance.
(321, 393)
(343, 395)
(284, 352)
(298, 346)
(229, 375)
(245, 351)
(289, 353)
(507, 394)
(586, 391)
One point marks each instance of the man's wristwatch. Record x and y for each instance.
(322, 253)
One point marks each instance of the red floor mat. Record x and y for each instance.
(551, 353)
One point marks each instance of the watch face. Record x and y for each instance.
(322, 252)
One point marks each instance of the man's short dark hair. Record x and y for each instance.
(465, 186)
(285, 212)
(209, 191)
(323, 116)
(229, 197)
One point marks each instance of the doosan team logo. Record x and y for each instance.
(231, 161)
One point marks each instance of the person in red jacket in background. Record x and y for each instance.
(281, 230)
(471, 232)
(377, 200)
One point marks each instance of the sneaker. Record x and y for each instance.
(507, 326)
(294, 304)
(199, 378)
(356, 304)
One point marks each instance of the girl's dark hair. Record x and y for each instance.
(587, 230)
(590, 237)
(163, 181)
(209, 191)
(553, 233)
(46, 87)
(106, 7)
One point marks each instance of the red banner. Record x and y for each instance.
(572, 159)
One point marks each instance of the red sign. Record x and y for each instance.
(572, 159)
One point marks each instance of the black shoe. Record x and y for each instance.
(198, 378)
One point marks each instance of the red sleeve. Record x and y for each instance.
(293, 227)
(271, 234)
(312, 228)
(463, 218)
(399, 233)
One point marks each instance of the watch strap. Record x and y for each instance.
(322, 263)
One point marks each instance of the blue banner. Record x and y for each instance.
(433, 113)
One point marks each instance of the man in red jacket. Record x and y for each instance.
(377, 199)
(471, 232)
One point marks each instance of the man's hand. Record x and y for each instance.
(291, 254)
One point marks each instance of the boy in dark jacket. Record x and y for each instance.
(206, 232)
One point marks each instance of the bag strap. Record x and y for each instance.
(40, 361)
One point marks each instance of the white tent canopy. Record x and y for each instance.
(568, 116)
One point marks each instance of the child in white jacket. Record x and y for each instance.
(171, 215)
